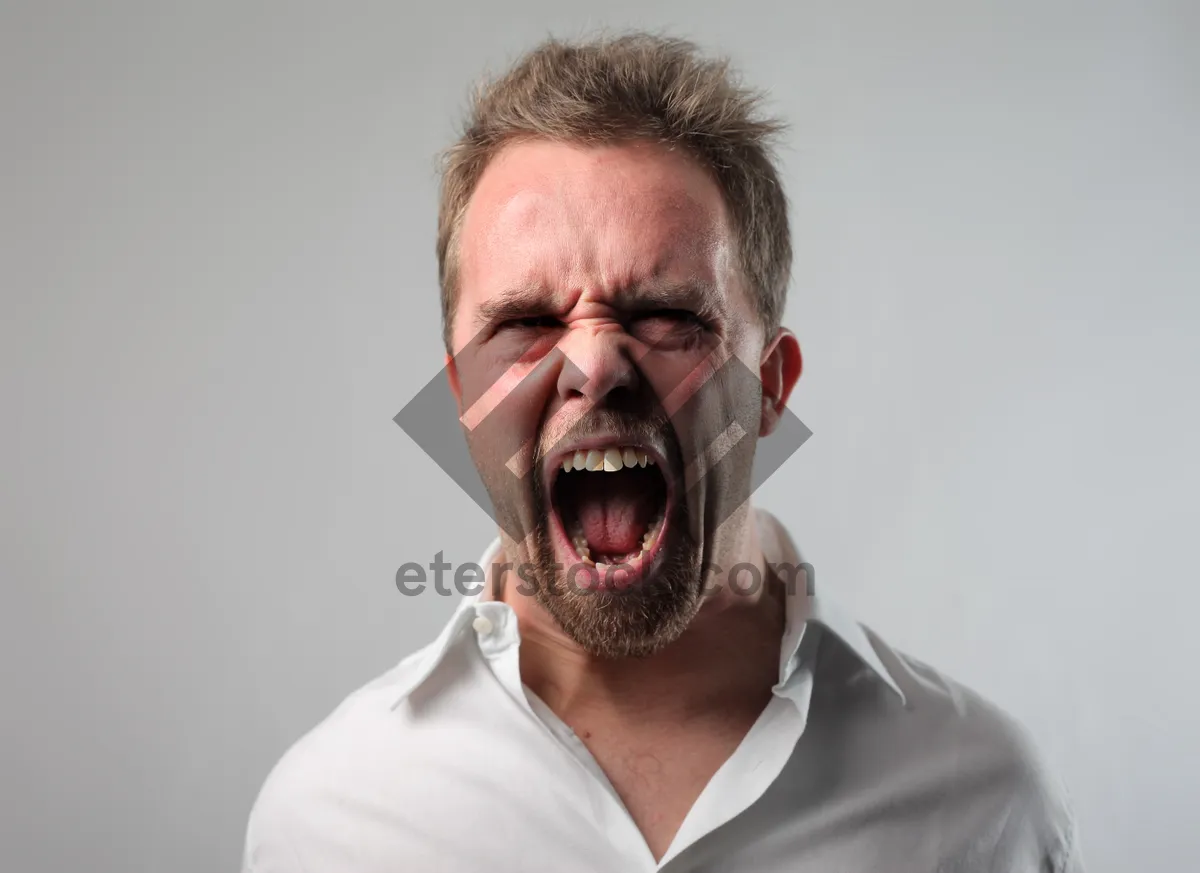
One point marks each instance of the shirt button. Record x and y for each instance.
(482, 624)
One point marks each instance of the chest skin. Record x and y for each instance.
(659, 772)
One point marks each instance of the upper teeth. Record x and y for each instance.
(608, 460)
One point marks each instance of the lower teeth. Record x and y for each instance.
(648, 541)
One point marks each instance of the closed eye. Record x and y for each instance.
(682, 315)
(679, 329)
(531, 322)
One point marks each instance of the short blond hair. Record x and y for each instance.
(636, 86)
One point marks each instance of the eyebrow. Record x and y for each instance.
(699, 295)
(517, 302)
(530, 300)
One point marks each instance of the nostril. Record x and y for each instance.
(623, 397)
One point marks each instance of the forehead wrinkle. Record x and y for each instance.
(601, 226)
(699, 295)
(646, 243)
(608, 256)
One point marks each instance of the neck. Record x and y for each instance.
(726, 660)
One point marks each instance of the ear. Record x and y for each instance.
(779, 370)
(452, 378)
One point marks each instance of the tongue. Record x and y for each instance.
(615, 515)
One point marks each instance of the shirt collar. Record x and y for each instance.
(778, 549)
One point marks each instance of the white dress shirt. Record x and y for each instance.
(864, 760)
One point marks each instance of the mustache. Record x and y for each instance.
(652, 428)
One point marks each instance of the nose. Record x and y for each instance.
(597, 364)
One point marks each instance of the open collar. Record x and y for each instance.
(802, 607)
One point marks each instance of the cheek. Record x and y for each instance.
(500, 429)
(496, 392)
(714, 412)
(694, 400)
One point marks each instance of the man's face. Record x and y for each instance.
(599, 298)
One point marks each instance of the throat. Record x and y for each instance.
(721, 672)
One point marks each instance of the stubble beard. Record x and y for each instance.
(632, 623)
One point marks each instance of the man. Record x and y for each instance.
(647, 681)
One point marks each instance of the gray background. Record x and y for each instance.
(218, 288)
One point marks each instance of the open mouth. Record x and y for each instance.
(610, 507)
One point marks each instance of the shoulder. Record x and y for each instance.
(305, 787)
(947, 747)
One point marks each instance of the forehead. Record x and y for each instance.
(591, 220)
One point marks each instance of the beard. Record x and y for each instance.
(607, 621)
(610, 623)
